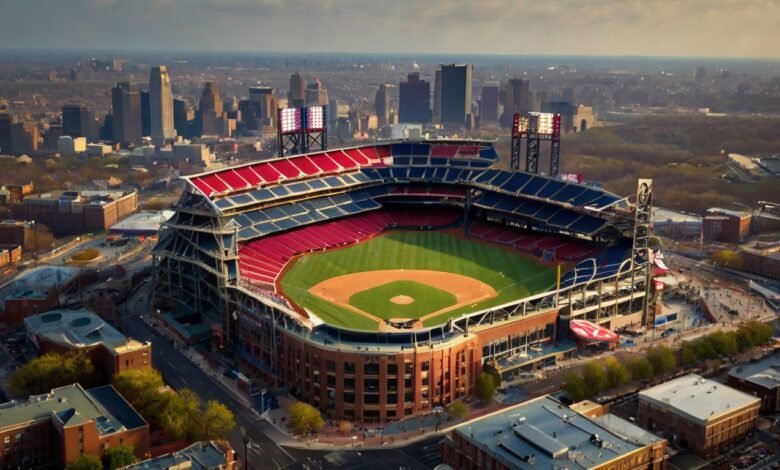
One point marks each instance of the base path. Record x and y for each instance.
(467, 290)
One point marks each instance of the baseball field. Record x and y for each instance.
(416, 278)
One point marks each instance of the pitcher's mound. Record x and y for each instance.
(401, 300)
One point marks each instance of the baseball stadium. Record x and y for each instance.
(376, 282)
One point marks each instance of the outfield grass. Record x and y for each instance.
(513, 276)
(427, 299)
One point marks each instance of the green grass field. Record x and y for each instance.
(513, 276)
(427, 299)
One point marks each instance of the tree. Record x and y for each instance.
(85, 462)
(723, 343)
(594, 377)
(117, 457)
(640, 369)
(575, 388)
(727, 258)
(215, 423)
(688, 354)
(142, 388)
(484, 387)
(662, 359)
(52, 370)
(617, 374)
(457, 410)
(304, 418)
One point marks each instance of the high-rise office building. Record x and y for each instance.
(316, 94)
(488, 103)
(455, 93)
(161, 105)
(6, 144)
(297, 94)
(76, 120)
(146, 114)
(126, 112)
(518, 99)
(414, 100)
(263, 103)
(382, 104)
(210, 110)
(437, 97)
(180, 118)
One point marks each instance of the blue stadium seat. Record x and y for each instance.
(568, 193)
(437, 161)
(533, 186)
(587, 224)
(401, 149)
(516, 182)
(552, 187)
(500, 178)
(420, 161)
(563, 218)
(546, 212)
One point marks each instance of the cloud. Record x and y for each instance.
(597, 27)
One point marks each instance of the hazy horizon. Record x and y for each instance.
(715, 29)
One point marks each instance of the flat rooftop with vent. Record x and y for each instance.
(65, 330)
(697, 398)
(698, 414)
(544, 433)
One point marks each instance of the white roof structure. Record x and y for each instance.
(696, 398)
(765, 373)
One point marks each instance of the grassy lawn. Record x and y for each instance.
(377, 301)
(511, 275)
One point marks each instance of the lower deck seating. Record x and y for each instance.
(261, 261)
(564, 249)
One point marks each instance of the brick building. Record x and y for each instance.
(203, 455)
(15, 193)
(62, 331)
(53, 429)
(10, 256)
(74, 212)
(698, 414)
(761, 379)
(764, 262)
(15, 233)
(726, 226)
(544, 433)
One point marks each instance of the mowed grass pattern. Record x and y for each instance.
(377, 301)
(513, 276)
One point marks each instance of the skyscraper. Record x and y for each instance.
(316, 94)
(146, 114)
(76, 120)
(263, 104)
(161, 105)
(518, 99)
(209, 110)
(488, 103)
(382, 104)
(126, 111)
(6, 145)
(296, 95)
(437, 97)
(414, 100)
(180, 121)
(455, 93)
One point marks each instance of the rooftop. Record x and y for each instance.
(543, 433)
(204, 455)
(79, 329)
(697, 398)
(147, 221)
(765, 373)
(72, 406)
(729, 212)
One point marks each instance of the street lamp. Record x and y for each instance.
(247, 445)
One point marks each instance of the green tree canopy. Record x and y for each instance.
(457, 409)
(85, 462)
(484, 387)
(304, 418)
(617, 374)
(215, 422)
(640, 369)
(662, 359)
(52, 370)
(688, 354)
(117, 457)
(575, 388)
(142, 388)
(594, 377)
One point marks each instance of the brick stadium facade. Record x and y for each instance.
(220, 256)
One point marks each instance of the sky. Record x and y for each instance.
(688, 28)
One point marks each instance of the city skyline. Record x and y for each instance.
(605, 28)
